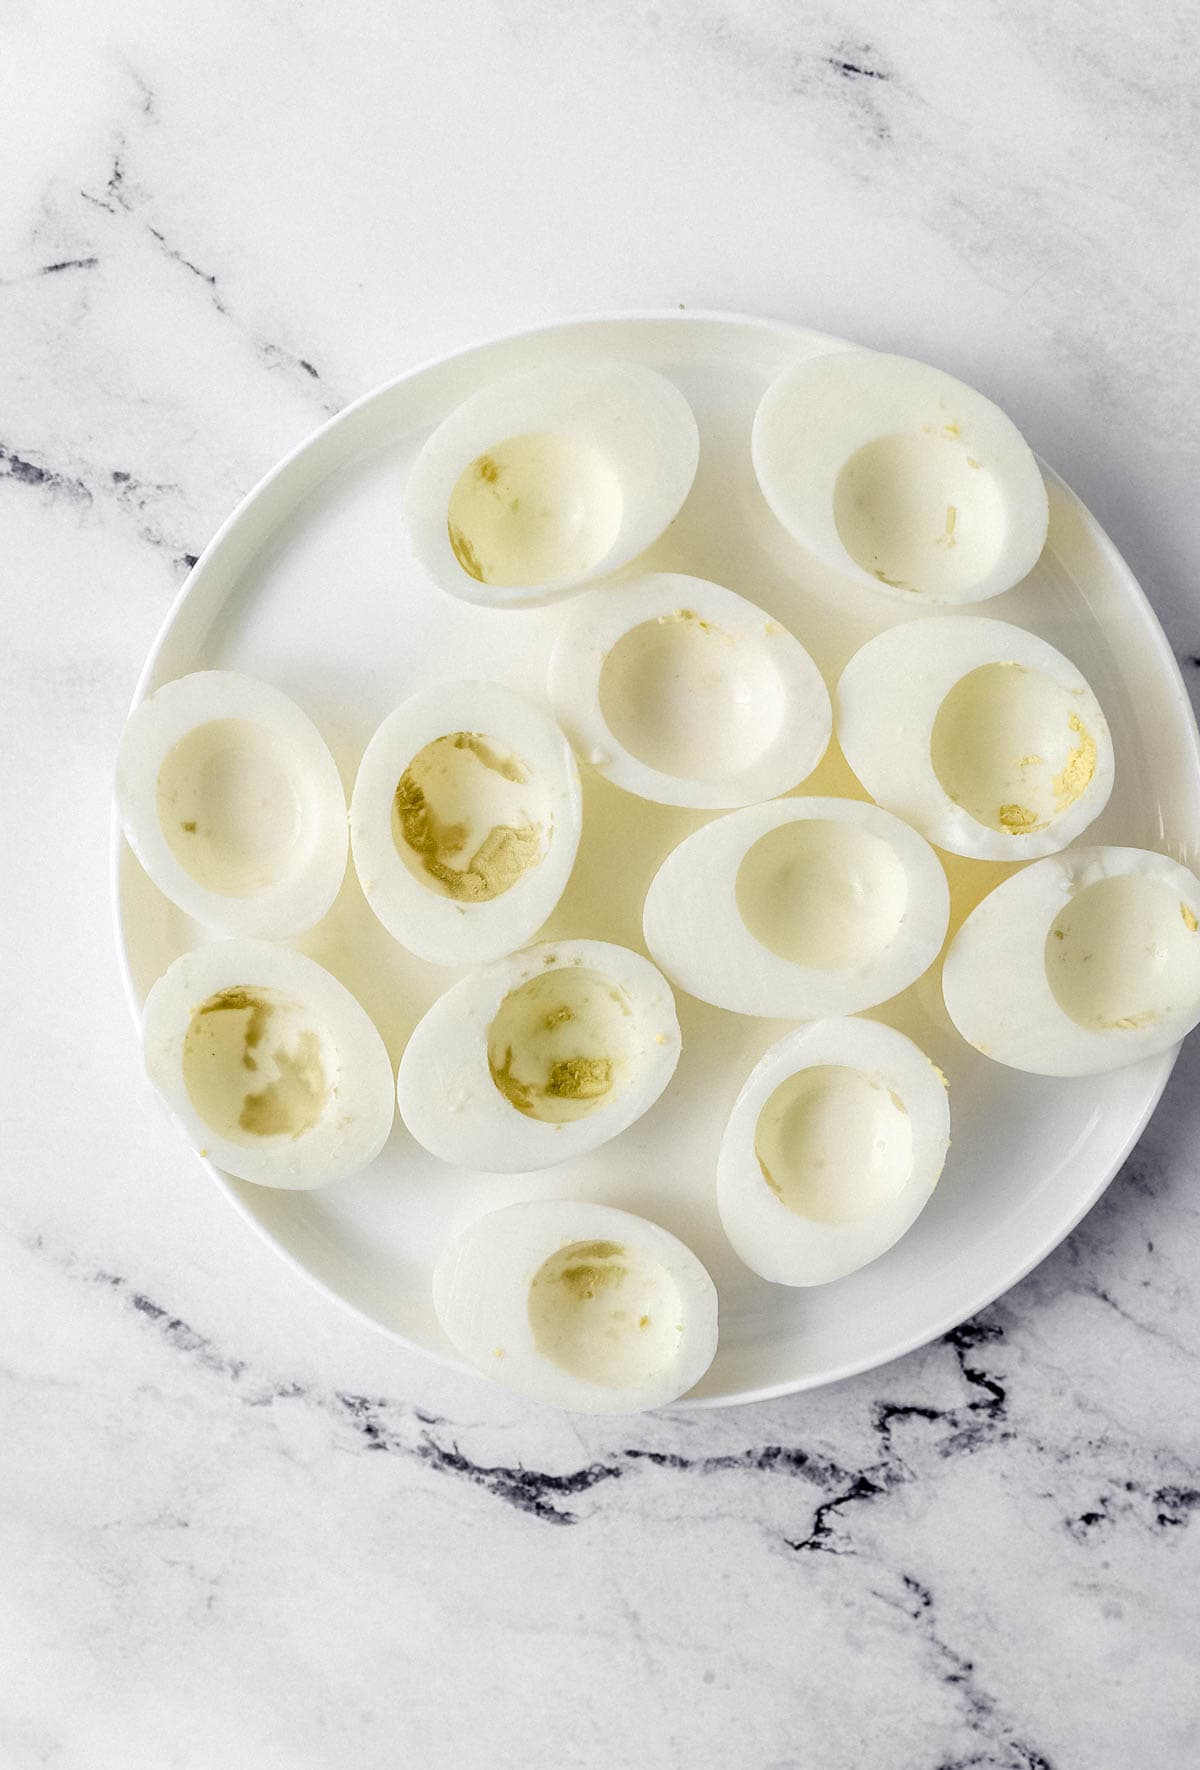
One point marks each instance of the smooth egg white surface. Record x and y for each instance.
(465, 821)
(230, 799)
(540, 1057)
(977, 733)
(798, 909)
(548, 479)
(579, 1306)
(1086, 962)
(685, 693)
(832, 1150)
(899, 477)
(271, 1067)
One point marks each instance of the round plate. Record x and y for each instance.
(308, 585)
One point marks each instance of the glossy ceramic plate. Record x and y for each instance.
(308, 585)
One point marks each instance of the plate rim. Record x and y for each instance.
(786, 329)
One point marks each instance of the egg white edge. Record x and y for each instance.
(481, 1283)
(886, 704)
(161, 721)
(426, 923)
(1023, 1026)
(869, 394)
(346, 1141)
(544, 399)
(775, 1241)
(694, 931)
(487, 1132)
(601, 619)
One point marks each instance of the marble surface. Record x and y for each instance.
(236, 1529)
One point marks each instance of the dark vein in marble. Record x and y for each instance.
(274, 355)
(175, 1331)
(177, 257)
(530, 1490)
(1159, 1510)
(840, 76)
(982, 1420)
(137, 498)
(48, 479)
(142, 499)
(855, 70)
(857, 66)
(844, 1485)
(48, 270)
(115, 195)
(533, 1491)
(147, 103)
(1176, 1504)
(823, 1537)
(769, 1459)
(1089, 1287)
(379, 1425)
(120, 198)
(541, 1494)
(1003, 1749)
(51, 270)
(1027, 1759)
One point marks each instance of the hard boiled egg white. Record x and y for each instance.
(230, 799)
(684, 693)
(270, 1066)
(540, 1057)
(799, 908)
(1085, 962)
(979, 734)
(465, 821)
(578, 1305)
(832, 1149)
(897, 476)
(548, 479)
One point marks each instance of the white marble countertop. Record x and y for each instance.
(236, 1528)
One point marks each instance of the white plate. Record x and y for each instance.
(308, 586)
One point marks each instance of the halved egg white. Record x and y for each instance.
(540, 1057)
(978, 733)
(465, 821)
(900, 477)
(832, 1150)
(683, 692)
(269, 1064)
(797, 909)
(580, 1306)
(550, 478)
(231, 801)
(1085, 962)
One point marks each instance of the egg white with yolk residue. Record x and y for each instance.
(577, 1305)
(550, 478)
(977, 733)
(533, 509)
(897, 476)
(465, 821)
(231, 801)
(685, 693)
(799, 908)
(539, 1057)
(1086, 962)
(832, 1150)
(269, 1064)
